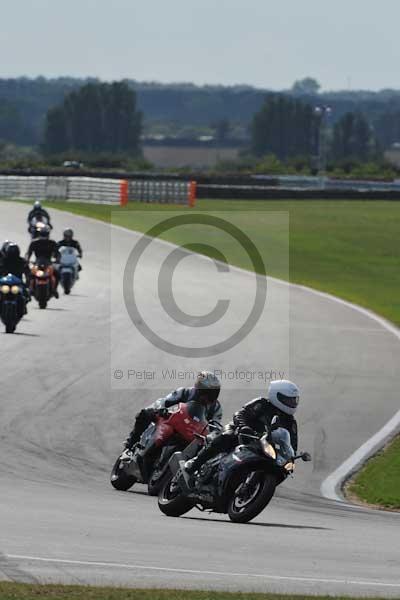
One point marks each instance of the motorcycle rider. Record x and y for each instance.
(3, 251)
(38, 211)
(12, 263)
(39, 214)
(255, 418)
(69, 241)
(45, 250)
(205, 390)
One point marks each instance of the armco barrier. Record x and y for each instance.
(160, 192)
(96, 190)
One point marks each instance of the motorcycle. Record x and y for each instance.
(69, 267)
(173, 430)
(240, 483)
(43, 282)
(36, 224)
(12, 302)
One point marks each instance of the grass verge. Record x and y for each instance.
(347, 248)
(378, 483)
(23, 591)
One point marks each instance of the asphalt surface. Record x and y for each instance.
(63, 416)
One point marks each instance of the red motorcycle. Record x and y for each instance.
(43, 282)
(147, 462)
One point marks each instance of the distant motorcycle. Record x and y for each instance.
(36, 224)
(12, 302)
(43, 282)
(69, 267)
(148, 462)
(240, 483)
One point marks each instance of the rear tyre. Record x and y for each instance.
(247, 502)
(41, 297)
(119, 479)
(171, 502)
(67, 284)
(10, 328)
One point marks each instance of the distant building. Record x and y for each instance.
(392, 156)
(203, 152)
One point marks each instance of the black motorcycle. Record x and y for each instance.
(240, 483)
(12, 302)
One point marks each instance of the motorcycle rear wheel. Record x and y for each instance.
(171, 502)
(67, 284)
(120, 480)
(243, 510)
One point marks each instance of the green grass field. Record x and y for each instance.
(379, 481)
(22, 591)
(347, 248)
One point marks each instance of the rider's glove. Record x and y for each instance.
(163, 412)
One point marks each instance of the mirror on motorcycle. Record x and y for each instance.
(306, 457)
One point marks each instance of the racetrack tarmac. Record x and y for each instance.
(63, 419)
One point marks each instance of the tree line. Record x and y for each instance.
(96, 118)
(24, 104)
(288, 127)
(104, 118)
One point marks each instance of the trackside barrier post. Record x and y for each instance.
(123, 192)
(192, 193)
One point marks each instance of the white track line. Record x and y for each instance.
(354, 582)
(330, 487)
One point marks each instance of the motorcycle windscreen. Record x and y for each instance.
(283, 446)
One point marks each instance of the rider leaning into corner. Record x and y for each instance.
(45, 250)
(205, 391)
(255, 418)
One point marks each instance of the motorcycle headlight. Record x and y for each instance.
(40, 273)
(268, 449)
(289, 466)
(15, 289)
(5, 289)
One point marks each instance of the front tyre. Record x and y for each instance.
(171, 501)
(252, 492)
(157, 482)
(119, 479)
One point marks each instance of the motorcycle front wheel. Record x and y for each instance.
(119, 479)
(171, 501)
(157, 481)
(252, 492)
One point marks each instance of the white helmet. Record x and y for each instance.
(284, 394)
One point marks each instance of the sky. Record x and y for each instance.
(270, 44)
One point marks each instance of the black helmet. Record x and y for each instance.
(208, 386)
(68, 234)
(12, 251)
(37, 205)
(4, 247)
